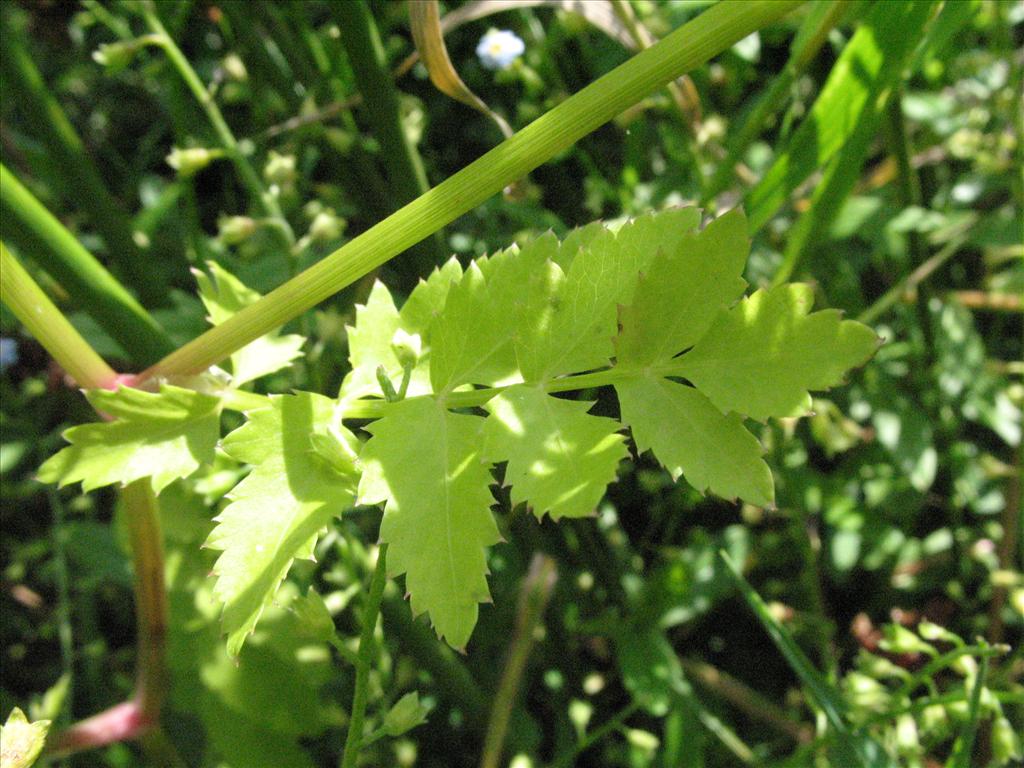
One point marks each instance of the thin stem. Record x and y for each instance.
(402, 162)
(687, 47)
(911, 281)
(27, 222)
(65, 632)
(51, 329)
(80, 180)
(805, 48)
(750, 702)
(455, 684)
(929, 670)
(964, 745)
(367, 650)
(266, 202)
(150, 595)
(533, 599)
(609, 726)
(139, 717)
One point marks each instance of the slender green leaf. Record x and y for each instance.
(853, 744)
(851, 102)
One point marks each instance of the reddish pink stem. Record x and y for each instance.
(121, 722)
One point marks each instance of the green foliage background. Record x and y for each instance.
(895, 502)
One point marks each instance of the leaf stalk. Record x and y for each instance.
(687, 47)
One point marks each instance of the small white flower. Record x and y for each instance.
(499, 48)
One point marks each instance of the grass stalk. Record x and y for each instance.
(685, 48)
(84, 188)
(50, 328)
(367, 650)
(533, 599)
(266, 202)
(824, 17)
(27, 222)
(403, 165)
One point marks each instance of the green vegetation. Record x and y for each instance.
(665, 355)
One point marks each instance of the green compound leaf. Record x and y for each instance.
(21, 741)
(163, 436)
(376, 323)
(560, 458)
(582, 301)
(223, 295)
(472, 339)
(369, 344)
(425, 463)
(690, 437)
(681, 293)
(761, 357)
(427, 300)
(277, 513)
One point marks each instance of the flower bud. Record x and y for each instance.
(233, 230)
(645, 741)
(116, 56)
(407, 347)
(189, 161)
(934, 721)
(326, 226)
(1006, 743)
(934, 632)
(234, 68)
(280, 169)
(407, 713)
(899, 639)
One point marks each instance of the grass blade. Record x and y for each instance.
(848, 109)
(853, 744)
(964, 746)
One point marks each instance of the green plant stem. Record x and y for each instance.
(752, 703)
(685, 48)
(138, 718)
(25, 220)
(533, 599)
(939, 663)
(266, 202)
(79, 177)
(143, 516)
(455, 684)
(130, 719)
(267, 67)
(403, 166)
(911, 281)
(609, 726)
(687, 105)
(65, 631)
(964, 745)
(367, 650)
(50, 328)
(824, 17)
